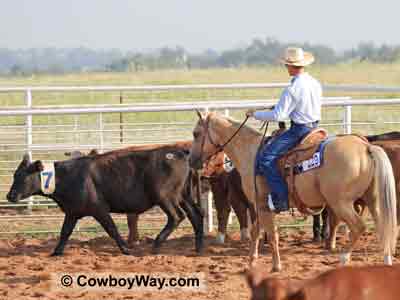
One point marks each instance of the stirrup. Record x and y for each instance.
(270, 204)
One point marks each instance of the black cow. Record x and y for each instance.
(118, 182)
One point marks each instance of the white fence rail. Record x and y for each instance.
(89, 127)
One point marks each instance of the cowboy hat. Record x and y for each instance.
(297, 57)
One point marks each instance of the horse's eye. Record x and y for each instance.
(196, 135)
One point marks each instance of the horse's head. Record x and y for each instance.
(204, 144)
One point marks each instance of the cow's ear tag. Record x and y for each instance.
(169, 156)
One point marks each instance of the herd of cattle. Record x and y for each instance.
(134, 179)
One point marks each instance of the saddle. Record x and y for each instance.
(300, 159)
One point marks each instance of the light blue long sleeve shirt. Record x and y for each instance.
(299, 102)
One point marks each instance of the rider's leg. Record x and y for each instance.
(268, 160)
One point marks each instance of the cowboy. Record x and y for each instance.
(301, 103)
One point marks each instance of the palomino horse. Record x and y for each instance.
(390, 143)
(352, 169)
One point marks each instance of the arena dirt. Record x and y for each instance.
(26, 267)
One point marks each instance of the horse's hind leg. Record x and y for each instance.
(330, 242)
(356, 225)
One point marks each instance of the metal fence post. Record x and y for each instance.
(76, 130)
(101, 127)
(347, 119)
(28, 103)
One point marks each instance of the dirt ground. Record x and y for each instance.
(26, 268)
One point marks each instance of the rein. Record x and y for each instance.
(219, 148)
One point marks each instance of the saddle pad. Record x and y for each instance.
(315, 161)
(48, 179)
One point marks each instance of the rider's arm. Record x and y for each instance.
(281, 111)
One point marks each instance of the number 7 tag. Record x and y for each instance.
(47, 178)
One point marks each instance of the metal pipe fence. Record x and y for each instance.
(47, 132)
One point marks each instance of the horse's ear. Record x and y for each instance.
(199, 115)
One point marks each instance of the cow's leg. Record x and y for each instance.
(195, 217)
(66, 230)
(223, 212)
(175, 216)
(133, 234)
(325, 227)
(240, 210)
(222, 204)
(316, 228)
(333, 221)
(109, 226)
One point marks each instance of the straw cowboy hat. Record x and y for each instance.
(297, 57)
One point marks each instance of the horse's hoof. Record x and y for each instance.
(276, 269)
(388, 260)
(253, 262)
(345, 259)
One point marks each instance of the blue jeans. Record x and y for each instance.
(267, 163)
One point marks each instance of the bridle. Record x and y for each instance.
(219, 148)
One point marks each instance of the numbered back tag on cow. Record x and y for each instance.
(228, 164)
(48, 178)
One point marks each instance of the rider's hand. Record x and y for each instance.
(250, 112)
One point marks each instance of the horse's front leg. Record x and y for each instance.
(272, 231)
(254, 242)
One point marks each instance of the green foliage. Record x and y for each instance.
(258, 52)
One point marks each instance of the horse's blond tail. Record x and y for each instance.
(387, 215)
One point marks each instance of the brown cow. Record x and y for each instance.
(352, 283)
